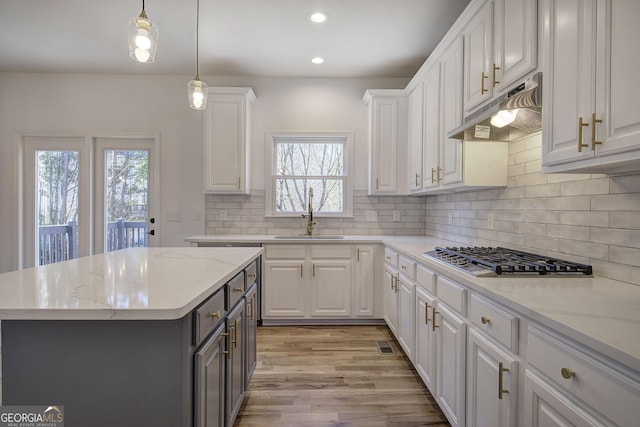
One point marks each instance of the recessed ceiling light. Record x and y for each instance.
(318, 17)
(317, 60)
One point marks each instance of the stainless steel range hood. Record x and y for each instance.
(526, 98)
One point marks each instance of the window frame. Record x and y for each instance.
(344, 138)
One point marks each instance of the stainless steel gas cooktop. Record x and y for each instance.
(488, 261)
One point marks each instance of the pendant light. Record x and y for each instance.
(143, 38)
(196, 88)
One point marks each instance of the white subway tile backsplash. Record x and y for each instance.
(593, 219)
(246, 215)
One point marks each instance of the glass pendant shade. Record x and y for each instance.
(143, 39)
(197, 92)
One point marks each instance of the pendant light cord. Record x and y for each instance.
(197, 38)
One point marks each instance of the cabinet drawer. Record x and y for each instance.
(407, 267)
(391, 257)
(251, 274)
(450, 293)
(499, 324)
(235, 289)
(426, 279)
(331, 251)
(285, 251)
(611, 393)
(209, 315)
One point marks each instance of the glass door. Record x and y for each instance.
(125, 190)
(56, 200)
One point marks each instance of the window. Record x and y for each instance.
(304, 164)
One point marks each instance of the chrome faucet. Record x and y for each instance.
(309, 215)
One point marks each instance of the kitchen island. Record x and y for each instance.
(112, 337)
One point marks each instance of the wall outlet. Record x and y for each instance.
(450, 218)
(372, 216)
(491, 220)
(223, 215)
(174, 216)
(396, 216)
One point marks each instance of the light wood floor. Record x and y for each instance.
(334, 376)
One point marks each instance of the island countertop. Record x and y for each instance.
(131, 284)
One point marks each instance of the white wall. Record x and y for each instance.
(120, 103)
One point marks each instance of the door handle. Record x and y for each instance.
(152, 232)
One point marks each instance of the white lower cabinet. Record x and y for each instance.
(330, 288)
(284, 290)
(492, 384)
(390, 289)
(450, 361)
(307, 281)
(545, 406)
(406, 315)
(363, 292)
(425, 350)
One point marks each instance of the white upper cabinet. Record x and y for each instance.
(590, 62)
(415, 178)
(478, 58)
(227, 136)
(500, 48)
(387, 140)
(515, 41)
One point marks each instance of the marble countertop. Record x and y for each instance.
(135, 283)
(600, 313)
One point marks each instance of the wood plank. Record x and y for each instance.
(334, 376)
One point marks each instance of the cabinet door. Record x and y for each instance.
(545, 406)
(251, 330)
(384, 145)
(491, 384)
(451, 113)
(478, 58)
(406, 316)
(415, 139)
(618, 68)
(425, 351)
(226, 137)
(514, 41)
(330, 290)
(450, 376)
(235, 366)
(432, 136)
(568, 78)
(284, 289)
(390, 286)
(364, 284)
(209, 394)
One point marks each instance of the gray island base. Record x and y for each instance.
(105, 373)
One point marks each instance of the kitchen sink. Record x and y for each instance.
(308, 237)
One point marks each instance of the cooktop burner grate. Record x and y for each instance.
(480, 260)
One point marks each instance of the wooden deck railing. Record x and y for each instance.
(60, 242)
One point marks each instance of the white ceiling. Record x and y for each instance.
(362, 38)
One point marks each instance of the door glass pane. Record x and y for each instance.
(126, 198)
(56, 206)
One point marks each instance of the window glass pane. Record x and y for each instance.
(292, 195)
(56, 206)
(309, 159)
